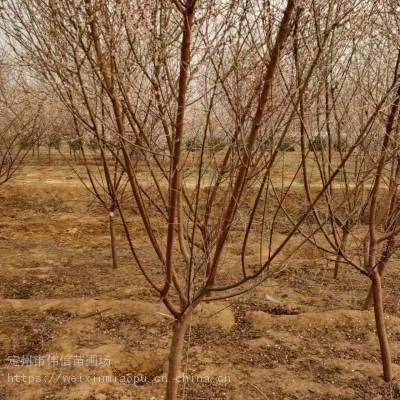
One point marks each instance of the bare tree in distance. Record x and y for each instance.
(370, 177)
(18, 122)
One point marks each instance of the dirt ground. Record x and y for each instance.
(71, 327)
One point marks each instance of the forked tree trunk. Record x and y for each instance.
(381, 269)
(381, 327)
(113, 241)
(369, 301)
(339, 257)
(175, 355)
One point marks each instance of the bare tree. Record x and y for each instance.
(18, 122)
(175, 70)
(369, 177)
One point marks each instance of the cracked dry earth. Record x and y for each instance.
(301, 336)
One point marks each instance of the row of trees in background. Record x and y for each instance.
(240, 80)
(20, 108)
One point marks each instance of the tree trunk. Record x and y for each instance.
(113, 242)
(369, 301)
(381, 328)
(381, 269)
(339, 257)
(175, 356)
